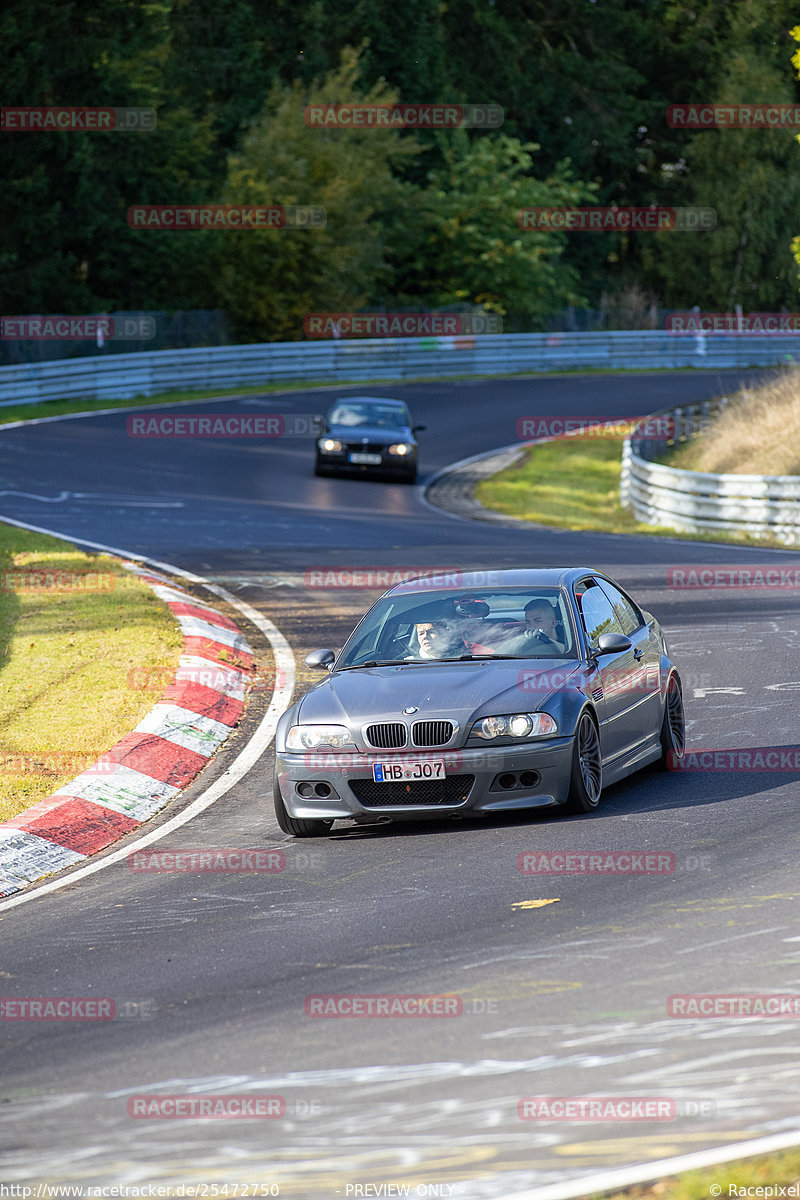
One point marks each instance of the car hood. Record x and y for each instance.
(373, 433)
(459, 691)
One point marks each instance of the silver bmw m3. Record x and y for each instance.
(480, 692)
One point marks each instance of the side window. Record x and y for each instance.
(598, 615)
(628, 617)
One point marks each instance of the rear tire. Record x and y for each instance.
(292, 825)
(673, 727)
(586, 781)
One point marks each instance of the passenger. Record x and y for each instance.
(440, 639)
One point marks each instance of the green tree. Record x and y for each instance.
(465, 246)
(749, 176)
(64, 240)
(269, 280)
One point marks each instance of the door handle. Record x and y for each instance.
(638, 654)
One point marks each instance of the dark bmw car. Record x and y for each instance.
(368, 435)
(478, 693)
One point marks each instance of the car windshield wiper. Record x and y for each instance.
(471, 657)
(374, 662)
(467, 657)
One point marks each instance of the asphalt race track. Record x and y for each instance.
(563, 999)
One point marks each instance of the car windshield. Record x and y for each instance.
(443, 625)
(386, 416)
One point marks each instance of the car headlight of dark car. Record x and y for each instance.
(400, 448)
(520, 726)
(330, 445)
(313, 737)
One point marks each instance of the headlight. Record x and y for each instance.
(400, 448)
(329, 444)
(516, 725)
(311, 737)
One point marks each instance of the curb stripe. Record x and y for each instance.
(28, 857)
(223, 656)
(205, 701)
(124, 790)
(247, 759)
(213, 675)
(176, 595)
(204, 614)
(193, 627)
(77, 825)
(158, 758)
(148, 767)
(184, 729)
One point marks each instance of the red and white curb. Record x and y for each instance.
(150, 765)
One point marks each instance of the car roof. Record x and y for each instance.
(368, 399)
(486, 580)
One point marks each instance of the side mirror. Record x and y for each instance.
(320, 658)
(418, 428)
(613, 643)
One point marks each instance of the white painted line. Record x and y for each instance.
(244, 761)
(622, 1177)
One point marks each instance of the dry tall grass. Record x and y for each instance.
(757, 434)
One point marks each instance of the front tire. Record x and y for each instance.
(586, 781)
(673, 727)
(292, 825)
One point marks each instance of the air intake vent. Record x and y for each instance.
(430, 793)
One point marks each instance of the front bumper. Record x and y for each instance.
(390, 463)
(541, 770)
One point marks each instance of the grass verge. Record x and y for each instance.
(85, 650)
(775, 1170)
(758, 433)
(573, 483)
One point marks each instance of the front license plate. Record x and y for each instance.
(401, 772)
(368, 460)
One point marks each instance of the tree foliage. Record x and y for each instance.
(414, 218)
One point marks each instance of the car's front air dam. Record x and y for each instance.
(550, 761)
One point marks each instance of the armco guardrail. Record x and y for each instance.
(701, 502)
(125, 376)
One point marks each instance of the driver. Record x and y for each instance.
(540, 625)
